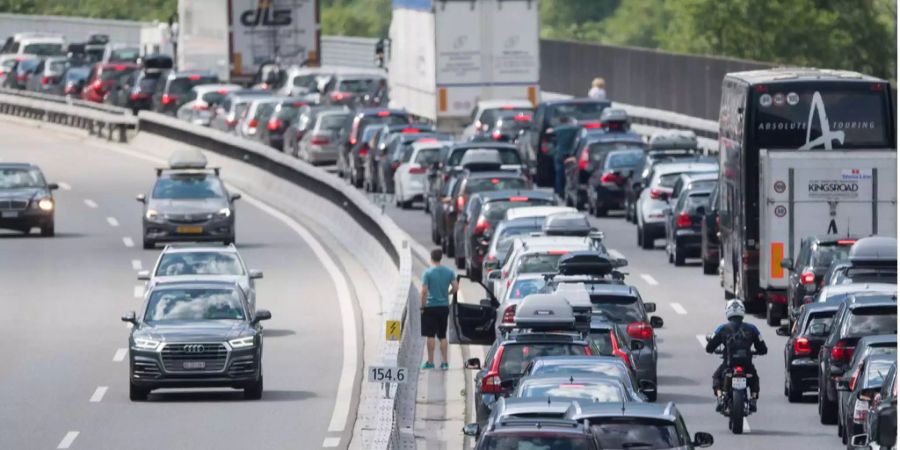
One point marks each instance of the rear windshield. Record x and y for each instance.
(264, 110)
(578, 111)
(428, 156)
(613, 370)
(625, 160)
(496, 211)
(474, 185)
(332, 121)
(289, 111)
(509, 234)
(199, 263)
(826, 254)
(617, 308)
(626, 432)
(528, 441)
(593, 392)
(878, 369)
(523, 288)
(516, 356)
(598, 150)
(696, 200)
(391, 119)
(508, 156)
(358, 86)
(823, 318)
(539, 263)
(603, 341)
(58, 66)
(867, 321)
(668, 180)
(43, 49)
(489, 116)
(116, 73)
(182, 85)
(866, 275)
(310, 82)
(125, 55)
(214, 97)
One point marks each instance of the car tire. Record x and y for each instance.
(827, 409)
(794, 394)
(600, 210)
(646, 241)
(773, 319)
(709, 268)
(48, 230)
(450, 250)
(640, 243)
(149, 245)
(677, 256)
(669, 254)
(426, 208)
(136, 393)
(254, 391)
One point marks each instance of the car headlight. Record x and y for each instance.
(244, 342)
(152, 214)
(146, 344)
(224, 212)
(45, 204)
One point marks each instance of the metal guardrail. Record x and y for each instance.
(67, 101)
(99, 122)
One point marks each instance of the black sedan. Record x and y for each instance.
(195, 334)
(682, 222)
(807, 271)
(801, 352)
(606, 186)
(25, 199)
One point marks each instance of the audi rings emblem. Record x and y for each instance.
(194, 348)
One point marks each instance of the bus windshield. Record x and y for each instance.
(790, 116)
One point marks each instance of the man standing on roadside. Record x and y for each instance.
(438, 283)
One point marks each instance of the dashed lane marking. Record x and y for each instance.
(138, 291)
(112, 221)
(99, 393)
(120, 355)
(649, 280)
(746, 425)
(90, 203)
(702, 339)
(136, 264)
(331, 442)
(68, 439)
(678, 308)
(128, 242)
(65, 186)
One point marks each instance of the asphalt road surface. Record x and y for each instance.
(64, 376)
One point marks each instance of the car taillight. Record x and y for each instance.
(481, 226)
(134, 95)
(193, 77)
(200, 107)
(319, 140)
(231, 122)
(583, 159)
(640, 330)
(801, 347)
(364, 150)
(683, 220)
(591, 125)
(395, 165)
(842, 352)
(70, 88)
(460, 203)
(738, 370)
(22, 76)
(410, 130)
(776, 297)
(509, 315)
(97, 85)
(807, 278)
(518, 199)
(168, 99)
(415, 170)
(496, 135)
(616, 351)
(611, 177)
(45, 80)
(253, 123)
(274, 124)
(338, 96)
(490, 384)
(655, 193)
(384, 113)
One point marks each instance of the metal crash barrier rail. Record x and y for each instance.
(100, 120)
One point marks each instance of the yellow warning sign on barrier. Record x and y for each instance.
(392, 330)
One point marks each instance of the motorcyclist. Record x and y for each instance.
(738, 338)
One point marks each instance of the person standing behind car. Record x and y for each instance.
(438, 283)
(598, 89)
(566, 133)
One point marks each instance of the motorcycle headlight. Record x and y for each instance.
(45, 204)
(224, 212)
(146, 344)
(244, 342)
(152, 214)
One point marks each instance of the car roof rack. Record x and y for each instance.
(874, 251)
(567, 224)
(187, 160)
(674, 140)
(589, 263)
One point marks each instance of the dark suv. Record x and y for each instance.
(171, 95)
(857, 316)
(624, 425)
(801, 351)
(683, 222)
(351, 136)
(815, 257)
(195, 334)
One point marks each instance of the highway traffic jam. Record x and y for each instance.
(532, 202)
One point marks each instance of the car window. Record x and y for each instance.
(509, 234)
(617, 308)
(194, 304)
(626, 432)
(694, 201)
(613, 370)
(823, 318)
(124, 54)
(428, 156)
(865, 321)
(668, 180)
(58, 66)
(181, 85)
(597, 151)
(522, 288)
(539, 263)
(602, 341)
(16, 178)
(43, 49)
(595, 392)
(332, 121)
(474, 185)
(214, 97)
(624, 160)
(199, 263)
(867, 275)
(825, 254)
(358, 85)
(188, 187)
(516, 356)
(578, 111)
(508, 156)
(116, 72)
(528, 441)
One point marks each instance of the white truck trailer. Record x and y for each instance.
(446, 55)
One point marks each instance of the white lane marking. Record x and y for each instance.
(128, 242)
(136, 264)
(120, 355)
(615, 253)
(112, 221)
(349, 366)
(68, 439)
(650, 280)
(746, 426)
(90, 203)
(138, 291)
(678, 308)
(331, 442)
(64, 186)
(99, 393)
(702, 339)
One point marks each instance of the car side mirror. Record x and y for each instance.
(235, 197)
(859, 440)
(786, 263)
(650, 307)
(261, 315)
(255, 274)
(702, 439)
(471, 430)
(783, 331)
(637, 345)
(130, 317)
(656, 322)
(473, 363)
(143, 275)
(52, 186)
(141, 198)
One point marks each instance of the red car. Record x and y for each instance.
(103, 78)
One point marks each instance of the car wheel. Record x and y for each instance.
(640, 243)
(677, 256)
(255, 390)
(137, 394)
(48, 230)
(794, 394)
(646, 240)
(773, 319)
(148, 244)
(827, 409)
(600, 210)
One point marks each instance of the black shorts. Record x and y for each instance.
(434, 321)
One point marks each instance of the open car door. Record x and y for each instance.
(473, 323)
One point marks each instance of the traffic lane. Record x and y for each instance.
(304, 327)
(685, 370)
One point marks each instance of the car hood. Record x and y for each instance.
(21, 193)
(208, 205)
(194, 330)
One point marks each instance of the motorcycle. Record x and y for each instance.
(736, 401)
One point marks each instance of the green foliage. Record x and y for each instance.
(370, 18)
(106, 9)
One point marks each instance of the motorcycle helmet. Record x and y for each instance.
(734, 308)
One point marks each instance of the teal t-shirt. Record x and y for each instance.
(437, 280)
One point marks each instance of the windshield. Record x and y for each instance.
(853, 117)
(183, 85)
(496, 211)
(825, 254)
(821, 318)
(624, 160)
(597, 151)
(516, 357)
(43, 49)
(188, 187)
(646, 434)
(20, 178)
(867, 321)
(524, 288)
(428, 156)
(508, 156)
(194, 304)
(199, 263)
(595, 392)
(577, 111)
(474, 185)
(125, 55)
(58, 66)
(509, 234)
(617, 308)
(214, 97)
(539, 263)
(332, 121)
(528, 441)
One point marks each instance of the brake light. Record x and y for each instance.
(252, 123)
(496, 135)
(481, 226)
(338, 96)
(611, 177)
(592, 125)
(24, 76)
(222, 91)
(655, 193)
(807, 278)
(384, 113)
(70, 88)
(411, 130)
(775, 297)
(683, 220)
(274, 124)
(200, 107)
(97, 85)
(168, 99)
(545, 143)
(509, 315)
(583, 159)
(846, 241)
(490, 384)
(231, 122)
(842, 352)
(364, 150)
(876, 87)
(522, 118)
(738, 370)
(616, 351)
(761, 88)
(427, 140)
(518, 199)
(460, 203)
(193, 77)
(415, 170)
(557, 252)
(354, 130)
(119, 68)
(801, 347)
(45, 80)
(319, 140)
(640, 330)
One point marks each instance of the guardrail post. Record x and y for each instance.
(123, 133)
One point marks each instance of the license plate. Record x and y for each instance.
(194, 365)
(189, 230)
(10, 214)
(739, 383)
